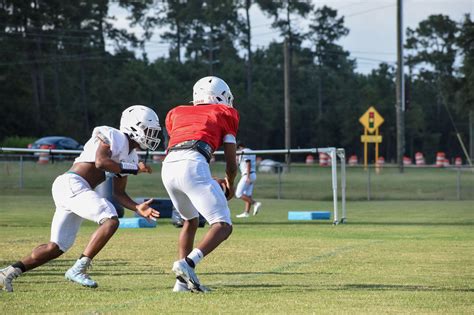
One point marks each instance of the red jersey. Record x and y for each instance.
(209, 123)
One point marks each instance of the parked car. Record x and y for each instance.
(57, 142)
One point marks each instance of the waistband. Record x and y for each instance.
(72, 172)
(197, 145)
(80, 177)
(248, 173)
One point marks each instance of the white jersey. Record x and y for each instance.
(247, 156)
(118, 142)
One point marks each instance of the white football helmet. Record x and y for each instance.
(212, 90)
(142, 125)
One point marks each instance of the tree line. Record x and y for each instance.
(65, 67)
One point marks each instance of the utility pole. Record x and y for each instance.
(287, 99)
(210, 49)
(248, 4)
(400, 106)
(471, 134)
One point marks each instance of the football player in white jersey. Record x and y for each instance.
(244, 190)
(109, 152)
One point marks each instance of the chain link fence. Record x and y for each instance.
(34, 174)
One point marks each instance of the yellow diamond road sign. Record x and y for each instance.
(371, 120)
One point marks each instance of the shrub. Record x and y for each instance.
(17, 142)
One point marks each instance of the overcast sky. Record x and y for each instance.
(371, 23)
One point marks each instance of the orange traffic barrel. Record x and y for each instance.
(380, 161)
(406, 160)
(43, 156)
(323, 159)
(440, 157)
(353, 160)
(419, 159)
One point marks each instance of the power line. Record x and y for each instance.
(70, 58)
(370, 10)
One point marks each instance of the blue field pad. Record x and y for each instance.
(309, 215)
(129, 223)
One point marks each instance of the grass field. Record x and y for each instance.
(396, 256)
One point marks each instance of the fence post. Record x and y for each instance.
(458, 183)
(21, 172)
(280, 169)
(368, 183)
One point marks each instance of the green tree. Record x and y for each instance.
(433, 49)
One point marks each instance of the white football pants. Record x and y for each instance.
(75, 201)
(188, 181)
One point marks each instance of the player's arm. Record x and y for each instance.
(248, 165)
(124, 199)
(103, 158)
(230, 167)
(104, 162)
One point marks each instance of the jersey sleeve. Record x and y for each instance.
(169, 121)
(231, 122)
(110, 136)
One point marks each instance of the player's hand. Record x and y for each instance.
(230, 189)
(146, 211)
(143, 168)
(248, 181)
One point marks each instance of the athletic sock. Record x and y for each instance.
(19, 265)
(190, 262)
(195, 256)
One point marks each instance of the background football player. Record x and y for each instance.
(108, 152)
(195, 133)
(244, 190)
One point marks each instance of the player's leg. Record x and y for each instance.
(186, 237)
(217, 233)
(208, 198)
(64, 229)
(89, 205)
(185, 246)
(240, 193)
(78, 272)
(39, 256)
(101, 236)
(248, 195)
(172, 175)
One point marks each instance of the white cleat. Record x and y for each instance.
(256, 207)
(243, 215)
(186, 273)
(180, 285)
(6, 277)
(78, 273)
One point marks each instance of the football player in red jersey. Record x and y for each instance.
(195, 133)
